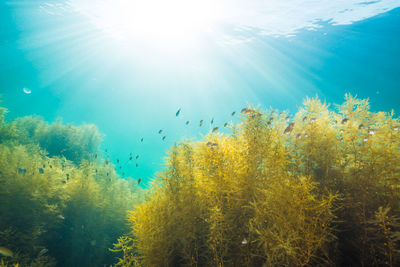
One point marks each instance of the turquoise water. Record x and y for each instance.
(132, 87)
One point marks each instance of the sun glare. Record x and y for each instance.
(161, 20)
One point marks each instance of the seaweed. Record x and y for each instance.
(58, 205)
(276, 192)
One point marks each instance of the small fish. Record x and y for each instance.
(6, 252)
(130, 158)
(44, 166)
(372, 131)
(51, 167)
(298, 136)
(61, 217)
(141, 140)
(41, 170)
(62, 150)
(108, 173)
(95, 156)
(360, 126)
(289, 129)
(67, 176)
(106, 150)
(177, 113)
(164, 137)
(119, 167)
(137, 156)
(212, 121)
(305, 117)
(187, 122)
(345, 120)
(137, 165)
(106, 161)
(396, 128)
(244, 241)
(233, 113)
(305, 135)
(20, 170)
(160, 131)
(42, 252)
(117, 160)
(312, 120)
(365, 139)
(246, 111)
(201, 122)
(212, 145)
(215, 129)
(225, 124)
(140, 179)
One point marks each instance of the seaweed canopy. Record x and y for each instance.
(53, 210)
(246, 207)
(75, 143)
(277, 192)
(31, 200)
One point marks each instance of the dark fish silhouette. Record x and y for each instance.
(246, 111)
(225, 124)
(187, 122)
(345, 120)
(41, 170)
(212, 120)
(137, 156)
(215, 129)
(360, 126)
(233, 113)
(177, 113)
(164, 137)
(201, 122)
(140, 179)
(289, 129)
(212, 145)
(42, 252)
(160, 131)
(117, 160)
(141, 140)
(130, 158)
(137, 165)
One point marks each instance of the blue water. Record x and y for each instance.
(132, 89)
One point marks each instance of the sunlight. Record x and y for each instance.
(156, 20)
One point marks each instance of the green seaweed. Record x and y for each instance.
(57, 195)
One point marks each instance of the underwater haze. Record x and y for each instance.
(120, 111)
